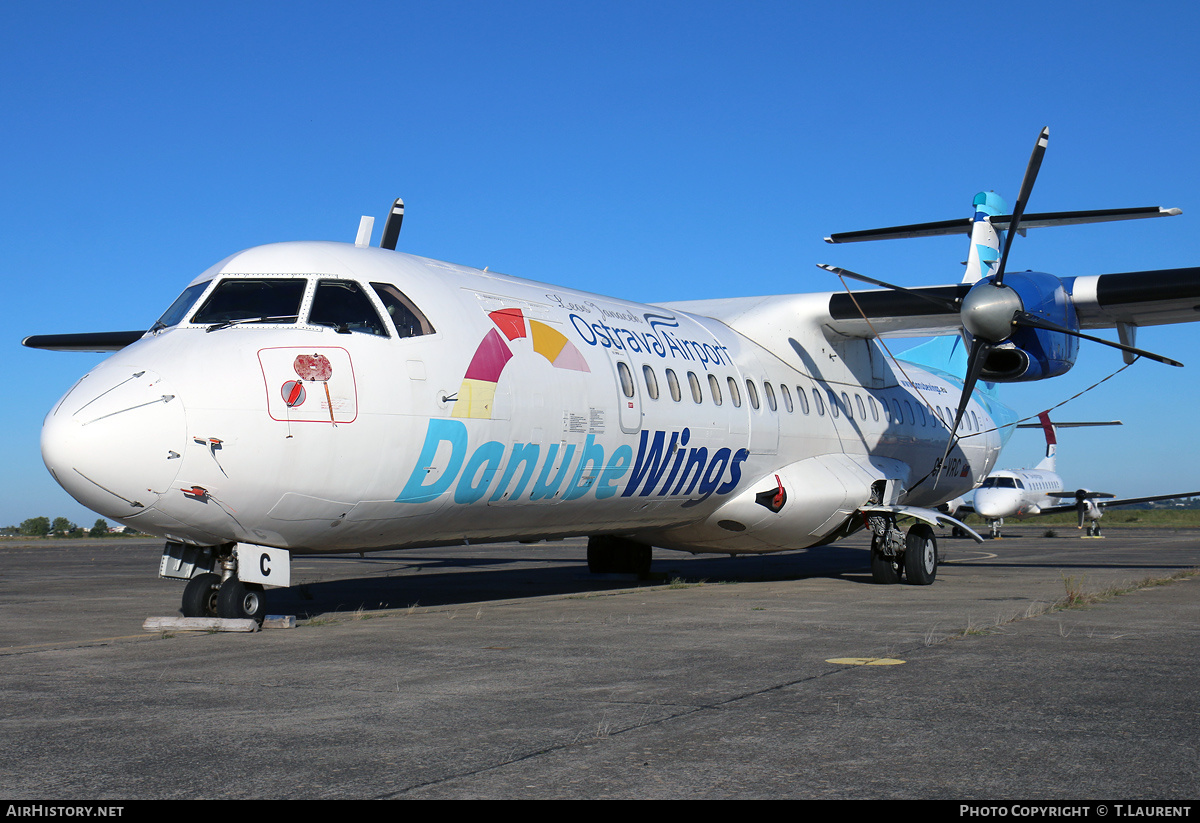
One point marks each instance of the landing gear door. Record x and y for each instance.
(260, 564)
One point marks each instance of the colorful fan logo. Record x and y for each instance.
(478, 390)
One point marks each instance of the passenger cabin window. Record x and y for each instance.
(673, 384)
(787, 398)
(714, 387)
(651, 382)
(253, 300)
(734, 394)
(694, 382)
(770, 393)
(345, 307)
(752, 393)
(818, 402)
(803, 398)
(846, 406)
(626, 378)
(406, 317)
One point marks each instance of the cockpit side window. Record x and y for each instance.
(406, 317)
(182, 305)
(241, 299)
(343, 305)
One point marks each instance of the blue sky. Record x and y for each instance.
(649, 150)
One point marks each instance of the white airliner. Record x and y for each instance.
(316, 397)
(1040, 490)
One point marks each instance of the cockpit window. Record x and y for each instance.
(242, 299)
(343, 305)
(406, 317)
(1000, 483)
(182, 305)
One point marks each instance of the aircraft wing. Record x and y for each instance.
(1141, 298)
(1129, 501)
(101, 341)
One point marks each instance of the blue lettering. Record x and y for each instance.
(487, 457)
(593, 456)
(543, 489)
(439, 431)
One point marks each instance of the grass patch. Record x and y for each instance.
(1113, 518)
(1075, 597)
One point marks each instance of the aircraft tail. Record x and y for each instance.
(985, 240)
(1047, 463)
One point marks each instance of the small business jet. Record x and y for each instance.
(317, 397)
(1040, 490)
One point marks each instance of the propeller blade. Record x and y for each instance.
(1081, 507)
(974, 368)
(1031, 173)
(950, 305)
(1024, 318)
(391, 229)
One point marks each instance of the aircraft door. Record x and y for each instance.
(629, 399)
(760, 403)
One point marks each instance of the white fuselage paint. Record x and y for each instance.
(301, 437)
(1017, 493)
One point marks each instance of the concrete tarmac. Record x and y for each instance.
(510, 672)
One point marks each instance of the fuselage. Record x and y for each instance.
(1017, 493)
(323, 397)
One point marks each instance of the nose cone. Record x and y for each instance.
(114, 441)
(997, 502)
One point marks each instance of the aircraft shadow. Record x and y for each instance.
(398, 582)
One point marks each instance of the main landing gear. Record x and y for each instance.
(210, 594)
(895, 554)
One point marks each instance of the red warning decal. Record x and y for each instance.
(306, 385)
(293, 393)
(312, 367)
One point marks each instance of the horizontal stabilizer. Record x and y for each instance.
(1001, 222)
(100, 341)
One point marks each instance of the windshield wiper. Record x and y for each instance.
(224, 324)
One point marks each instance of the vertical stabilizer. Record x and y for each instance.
(1051, 442)
(985, 240)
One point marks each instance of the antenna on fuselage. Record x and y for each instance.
(366, 224)
(391, 229)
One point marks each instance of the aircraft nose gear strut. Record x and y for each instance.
(216, 590)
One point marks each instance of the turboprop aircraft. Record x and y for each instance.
(1038, 491)
(316, 397)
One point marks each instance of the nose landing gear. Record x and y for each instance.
(210, 594)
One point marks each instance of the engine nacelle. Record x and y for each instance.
(1029, 353)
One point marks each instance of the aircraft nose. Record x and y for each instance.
(995, 503)
(114, 441)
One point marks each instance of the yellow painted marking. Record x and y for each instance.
(547, 341)
(865, 661)
(475, 399)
